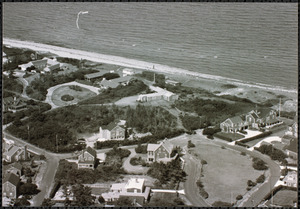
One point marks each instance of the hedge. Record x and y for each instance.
(241, 144)
(267, 133)
(275, 190)
(55, 189)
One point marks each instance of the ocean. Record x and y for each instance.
(255, 43)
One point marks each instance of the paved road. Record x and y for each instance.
(192, 168)
(134, 169)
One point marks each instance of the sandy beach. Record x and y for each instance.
(255, 92)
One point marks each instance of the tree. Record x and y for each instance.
(22, 202)
(48, 202)
(101, 199)
(28, 189)
(190, 144)
(82, 195)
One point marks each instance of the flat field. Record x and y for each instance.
(66, 90)
(226, 173)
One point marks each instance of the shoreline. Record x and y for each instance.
(127, 62)
(215, 84)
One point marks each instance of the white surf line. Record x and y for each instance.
(126, 62)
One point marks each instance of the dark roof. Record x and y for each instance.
(12, 178)
(293, 146)
(18, 166)
(122, 79)
(264, 112)
(236, 119)
(112, 125)
(37, 62)
(96, 75)
(91, 151)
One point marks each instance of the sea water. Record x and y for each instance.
(249, 42)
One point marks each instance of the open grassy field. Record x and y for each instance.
(66, 90)
(226, 173)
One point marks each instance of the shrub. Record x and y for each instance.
(210, 131)
(267, 133)
(261, 179)
(199, 184)
(141, 149)
(67, 98)
(203, 193)
(221, 204)
(203, 162)
(258, 164)
(223, 147)
(243, 153)
(241, 144)
(190, 144)
(210, 137)
(251, 183)
(239, 197)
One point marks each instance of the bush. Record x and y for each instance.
(210, 131)
(274, 153)
(243, 153)
(141, 149)
(261, 179)
(241, 144)
(203, 193)
(262, 135)
(251, 183)
(258, 164)
(190, 144)
(210, 137)
(67, 98)
(223, 147)
(203, 162)
(199, 184)
(221, 204)
(239, 197)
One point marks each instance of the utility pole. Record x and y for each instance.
(279, 106)
(56, 143)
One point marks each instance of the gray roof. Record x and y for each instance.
(12, 151)
(122, 79)
(38, 62)
(12, 178)
(152, 147)
(166, 144)
(96, 75)
(91, 151)
(109, 83)
(112, 125)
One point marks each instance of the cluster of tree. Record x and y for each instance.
(11, 84)
(82, 195)
(138, 161)
(211, 131)
(111, 95)
(168, 175)
(58, 128)
(19, 202)
(274, 153)
(71, 61)
(38, 87)
(213, 111)
(193, 122)
(146, 139)
(28, 189)
(114, 156)
(202, 191)
(33, 109)
(259, 164)
(16, 57)
(141, 149)
(109, 76)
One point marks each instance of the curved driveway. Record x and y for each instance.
(134, 169)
